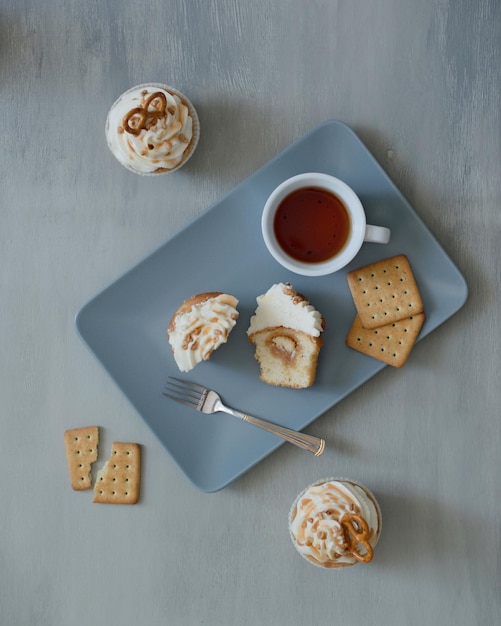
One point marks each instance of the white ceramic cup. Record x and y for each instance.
(359, 230)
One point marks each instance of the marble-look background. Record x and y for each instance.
(420, 83)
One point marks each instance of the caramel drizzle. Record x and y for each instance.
(356, 532)
(141, 118)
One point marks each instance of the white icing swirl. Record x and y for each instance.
(282, 306)
(165, 141)
(201, 330)
(316, 521)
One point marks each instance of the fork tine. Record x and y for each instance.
(191, 404)
(189, 394)
(184, 389)
(185, 383)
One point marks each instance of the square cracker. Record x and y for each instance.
(81, 451)
(118, 482)
(391, 343)
(385, 291)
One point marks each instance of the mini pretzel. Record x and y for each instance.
(356, 534)
(142, 115)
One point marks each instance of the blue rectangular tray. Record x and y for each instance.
(125, 325)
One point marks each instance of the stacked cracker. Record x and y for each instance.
(118, 482)
(390, 312)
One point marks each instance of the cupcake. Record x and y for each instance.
(335, 523)
(201, 325)
(286, 332)
(152, 129)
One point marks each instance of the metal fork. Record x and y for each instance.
(208, 401)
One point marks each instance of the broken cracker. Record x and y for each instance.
(119, 480)
(391, 343)
(385, 291)
(81, 451)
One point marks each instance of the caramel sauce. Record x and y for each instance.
(311, 225)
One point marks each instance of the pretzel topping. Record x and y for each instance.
(139, 118)
(356, 533)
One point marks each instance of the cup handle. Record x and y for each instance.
(377, 234)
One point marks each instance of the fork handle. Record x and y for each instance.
(307, 442)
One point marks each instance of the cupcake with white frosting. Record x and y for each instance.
(152, 129)
(286, 332)
(201, 325)
(335, 523)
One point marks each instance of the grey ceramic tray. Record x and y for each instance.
(125, 325)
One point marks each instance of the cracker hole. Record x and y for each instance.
(370, 344)
(76, 438)
(382, 349)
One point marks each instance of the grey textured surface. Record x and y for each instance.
(420, 84)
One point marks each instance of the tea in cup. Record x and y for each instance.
(314, 224)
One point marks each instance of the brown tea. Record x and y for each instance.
(312, 225)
